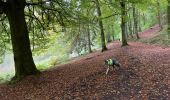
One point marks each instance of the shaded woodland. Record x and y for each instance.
(76, 36)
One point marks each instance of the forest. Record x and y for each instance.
(85, 49)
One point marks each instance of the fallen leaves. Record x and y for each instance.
(145, 74)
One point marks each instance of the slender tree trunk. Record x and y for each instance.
(108, 36)
(139, 22)
(168, 13)
(113, 37)
(111, 33)
(88, 33)
(130, 26)
(123, 22)
(24, 64)
(89, 39)
(101, 26)
(144, 19)
(135, 22)
(126, 30)
(126, 24)
(159, 15)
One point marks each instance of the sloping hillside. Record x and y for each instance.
(145, 74)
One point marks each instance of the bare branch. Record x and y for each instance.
(34, 17)
(110, 15)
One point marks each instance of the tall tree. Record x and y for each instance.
(88, 33)
(130, 26)
(101, 26)
(89, 38)
(39, 13)
(123, 22)
(159, 15)
(24, 64)
(135, 17)
(139, 22)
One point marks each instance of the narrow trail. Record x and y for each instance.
(151, 32)
(145, 74)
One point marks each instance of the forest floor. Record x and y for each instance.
(145, 75)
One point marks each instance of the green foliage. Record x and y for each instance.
(5, 77)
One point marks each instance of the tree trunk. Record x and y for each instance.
(130, 26)
(113, 37)
(139, 22)
(144, 19)
(123, 23)
(126, 30)
(89, 39)
(168, 13)
(108, 37)
(135, 22)
(159, 15)
(101, 27)
(126, 24)
(24, 64)
(112, 32)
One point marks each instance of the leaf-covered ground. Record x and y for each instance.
(145, 75)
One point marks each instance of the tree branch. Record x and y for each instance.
(34, 17)
(110, 16)
(36, 3)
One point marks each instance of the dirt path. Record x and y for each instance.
(151, 32)
(145, 74)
